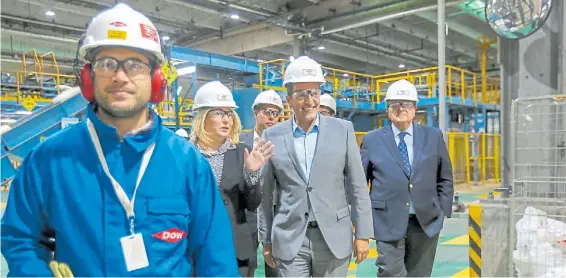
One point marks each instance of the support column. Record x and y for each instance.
(299, 46)
(442, 68)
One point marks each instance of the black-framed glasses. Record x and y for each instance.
(402, 104)
(108, 66)
(270, 112)
(219, 113)
(302, 94)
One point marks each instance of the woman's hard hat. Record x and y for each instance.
(214, 94)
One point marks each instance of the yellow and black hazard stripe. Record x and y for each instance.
(474, 232)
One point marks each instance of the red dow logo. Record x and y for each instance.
(171, 235)
(118, 24)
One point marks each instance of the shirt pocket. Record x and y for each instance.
(168, 220)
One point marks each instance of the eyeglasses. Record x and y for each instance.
(403, 104)
(108, 66)
(270, 112)
(221, 113)
(325, 113)
(302, 94)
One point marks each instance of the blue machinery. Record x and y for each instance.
(359, 99)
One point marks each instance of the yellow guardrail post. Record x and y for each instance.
(483, 158)
(496, 154)
(468, 157)
(474, 233)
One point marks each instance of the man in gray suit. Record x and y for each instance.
(411, 187)
(314, 168)
(267, 107)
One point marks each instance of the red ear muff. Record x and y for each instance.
(158, 86)
(85, 83)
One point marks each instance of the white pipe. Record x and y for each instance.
(38, 36)
(442, 68)
(384, 18)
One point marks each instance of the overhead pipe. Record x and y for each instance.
(55, 25)
(382, 50)
(358, 12)
(38, 36)
(244, 8)
(205, 9)
(385, 18)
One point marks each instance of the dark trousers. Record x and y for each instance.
(412, 256)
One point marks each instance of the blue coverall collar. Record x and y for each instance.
(139, 141)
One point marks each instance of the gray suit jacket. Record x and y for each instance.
(336, 172)
(430, 184)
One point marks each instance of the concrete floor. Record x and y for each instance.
(451, 257)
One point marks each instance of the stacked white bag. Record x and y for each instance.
(540, 251)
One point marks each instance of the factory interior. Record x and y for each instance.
(489, 74)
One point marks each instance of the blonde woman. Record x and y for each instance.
(216, 132)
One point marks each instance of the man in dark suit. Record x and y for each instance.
(411, 187)
(267, 107)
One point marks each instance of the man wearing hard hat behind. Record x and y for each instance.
(411, 186)
(124, 195)
(327, 105)
(310, 232)
(267, 107)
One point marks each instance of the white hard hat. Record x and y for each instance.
(122, 26)
(183, 133)
(213, 94)
(328, 101)
(303, 69)
(402, 90)
(268, 97)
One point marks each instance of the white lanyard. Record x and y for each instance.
(122, 196)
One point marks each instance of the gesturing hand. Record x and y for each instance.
(259, 155)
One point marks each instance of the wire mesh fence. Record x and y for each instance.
(538, 203)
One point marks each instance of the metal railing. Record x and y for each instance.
(475, 157)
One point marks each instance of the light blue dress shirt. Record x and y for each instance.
(409, 141)
(305, 147)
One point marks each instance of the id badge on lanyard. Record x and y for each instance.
(133, 246)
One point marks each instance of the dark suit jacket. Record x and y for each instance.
(238, 197)
(248, 139)
(430, 185)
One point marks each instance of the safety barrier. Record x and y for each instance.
(474, 233)
(475, 156)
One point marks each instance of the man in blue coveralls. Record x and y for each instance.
(124, 195)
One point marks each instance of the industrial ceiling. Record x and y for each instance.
(359, 35)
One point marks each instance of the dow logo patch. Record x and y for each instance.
(309, 72)
(172, 235)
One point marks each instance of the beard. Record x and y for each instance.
(120, 111)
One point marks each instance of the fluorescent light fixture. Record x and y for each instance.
(321, 47)
(401, 66)
(165, 38)
(186, 70)
(49, 13)
(345, 75)
(260, 61)
(235, 16)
